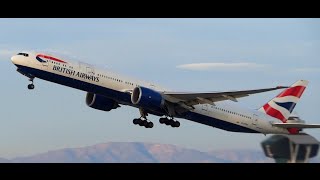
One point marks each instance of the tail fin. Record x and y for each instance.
(282, 105)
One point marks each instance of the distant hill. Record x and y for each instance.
(136, 152)
(122, 152)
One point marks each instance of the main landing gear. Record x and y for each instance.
(143, 121)
(31, 86)
(170, 122)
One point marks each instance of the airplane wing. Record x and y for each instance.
(296, 125)
(187, 99)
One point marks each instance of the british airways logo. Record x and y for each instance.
(43, 58)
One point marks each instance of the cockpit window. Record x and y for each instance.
(23, 54)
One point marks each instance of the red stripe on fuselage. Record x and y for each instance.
(274, 113)
(293, 91)
(51, 58)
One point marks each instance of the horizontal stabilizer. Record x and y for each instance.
(296, 125)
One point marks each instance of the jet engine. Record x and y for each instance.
(100, 102)
(147, 98)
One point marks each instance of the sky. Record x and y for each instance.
(180, 54)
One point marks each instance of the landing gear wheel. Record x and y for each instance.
(149, 125)
(145, 123)
(175, 124)
(171, 122)
(162, 120)
(136, 121)
(141, 122)
(30, 86)
(167, 122)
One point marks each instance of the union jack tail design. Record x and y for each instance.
(282, 105)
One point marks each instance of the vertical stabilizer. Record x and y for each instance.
(282, 105)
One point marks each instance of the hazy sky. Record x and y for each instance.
(242, 54)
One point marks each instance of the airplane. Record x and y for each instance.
(107, 90)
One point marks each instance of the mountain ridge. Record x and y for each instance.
(140, 152)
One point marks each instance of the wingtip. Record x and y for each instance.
(282, 87)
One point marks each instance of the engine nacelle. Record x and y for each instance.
(100, 102)
(147, 98)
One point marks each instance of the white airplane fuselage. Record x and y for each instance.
(96, 80)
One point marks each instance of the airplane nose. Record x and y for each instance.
(14, 59)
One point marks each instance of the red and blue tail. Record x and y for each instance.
(282, 105)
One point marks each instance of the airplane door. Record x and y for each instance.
(86, 68)
(254, 120)
(90, 70)
(205, 108)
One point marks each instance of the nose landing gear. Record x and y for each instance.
(31, 86)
